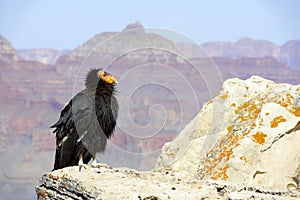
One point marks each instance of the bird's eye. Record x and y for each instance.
(101, 74)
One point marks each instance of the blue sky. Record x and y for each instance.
(66, 24)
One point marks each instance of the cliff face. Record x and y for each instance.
(6, 47)
(244, 47)
(42, 55)
(242, 145)
(7, 53)
(290, 53)
(110, 46)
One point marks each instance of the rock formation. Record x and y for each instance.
(287, 53)
(290, 54)
(246, 134)
(244, 47)
(6, 47)
(43, 55)
(109, 46)
(242, 145)
(7, 53)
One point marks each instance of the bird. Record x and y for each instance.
(87, 121)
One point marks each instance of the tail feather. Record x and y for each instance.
(65, 150)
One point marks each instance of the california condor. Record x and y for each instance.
(87, 121)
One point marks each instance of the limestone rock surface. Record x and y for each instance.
(248, 134)
(122, 183)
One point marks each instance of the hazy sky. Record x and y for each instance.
(65, 24)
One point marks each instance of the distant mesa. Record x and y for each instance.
(104, 47)
(287, 53)
(244, 47)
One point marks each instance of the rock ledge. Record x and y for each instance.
(104, 183)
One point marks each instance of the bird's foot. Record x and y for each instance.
(82, 165)
(95, 164)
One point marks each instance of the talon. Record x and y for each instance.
(95, 164)
(80, 163)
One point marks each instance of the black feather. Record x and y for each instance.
(86, 122)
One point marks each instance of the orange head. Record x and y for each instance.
(106, 77)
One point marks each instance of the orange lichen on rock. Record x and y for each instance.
(288, 103)
(226, 145)
(221, 173)
(229, 128)
(243, 158)
(233, 104)
(232, 142)
(259, 137)
(253, 124)
(225, 96)
(244, 106)
(279, 119)
(216, 163)
(248, 110)
(289, 96)
(295, 111)
(172, 155)
(260, 122)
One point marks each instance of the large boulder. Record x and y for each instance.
(248, 133)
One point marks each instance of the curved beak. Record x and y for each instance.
(111, 79)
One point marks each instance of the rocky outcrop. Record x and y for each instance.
(242, 145)
(9, 60)
(106, 183)
(246, 134)
(5, 46)
(134, 26)
(7, 53)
